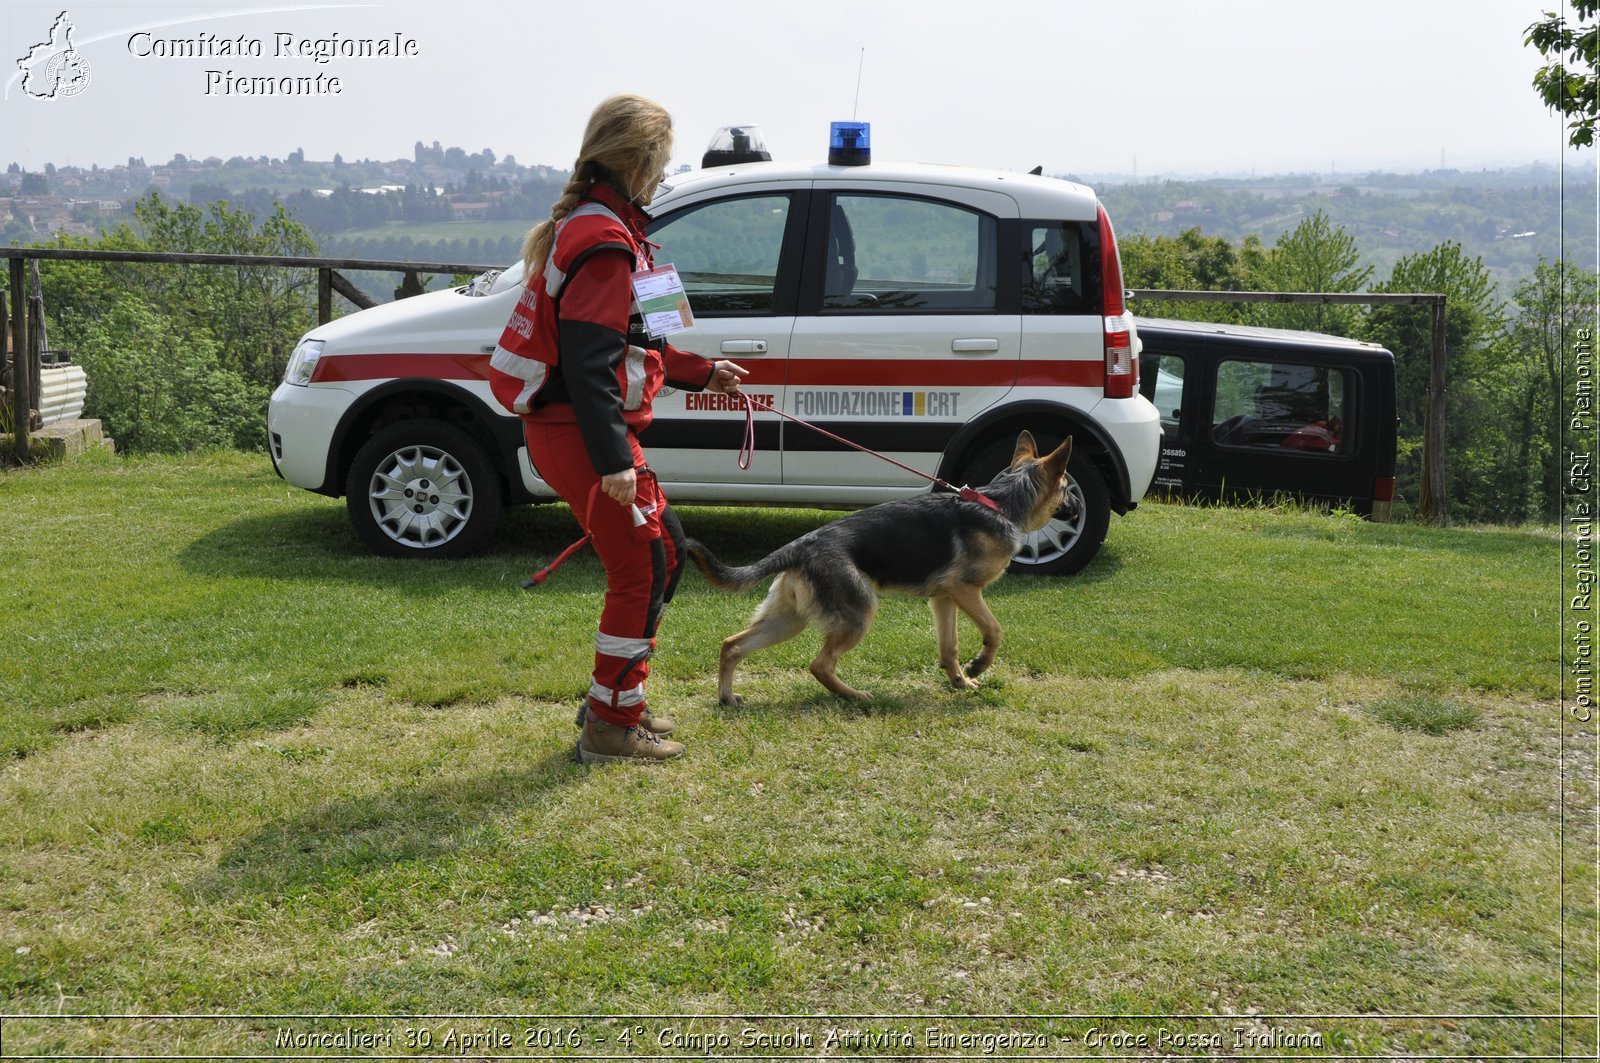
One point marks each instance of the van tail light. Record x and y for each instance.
(1382, 499)
(1122, 369)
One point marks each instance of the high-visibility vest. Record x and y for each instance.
(529, 348)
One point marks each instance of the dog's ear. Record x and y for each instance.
(1026, 450)
(1055, 463)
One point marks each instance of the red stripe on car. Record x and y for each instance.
(839, 372)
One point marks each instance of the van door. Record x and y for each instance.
(738, 257)
(901, 337)
(1169, 381)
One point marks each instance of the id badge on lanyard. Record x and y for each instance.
(662, 303)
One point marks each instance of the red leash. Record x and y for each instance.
(538, 578)
(747, 451)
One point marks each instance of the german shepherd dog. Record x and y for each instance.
(937, 546)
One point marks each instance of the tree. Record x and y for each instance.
(1551, 306)
(35, 184)
(1473, 318)
(1568, 81)
(158, 388)
(1316, 256)
(184, 356)
(1190, 260)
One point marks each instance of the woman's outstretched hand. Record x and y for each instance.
(726, 378)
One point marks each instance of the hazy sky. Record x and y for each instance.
(1112, 86)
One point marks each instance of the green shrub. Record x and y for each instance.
(158, 390)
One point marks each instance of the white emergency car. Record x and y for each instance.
(928, 312)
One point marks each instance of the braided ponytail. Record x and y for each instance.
(628, 139)
(536, 245)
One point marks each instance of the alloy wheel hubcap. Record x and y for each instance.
(421, 496)
(1054, 539)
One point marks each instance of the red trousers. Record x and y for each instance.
(642, 564)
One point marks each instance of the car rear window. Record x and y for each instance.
(1063, 268)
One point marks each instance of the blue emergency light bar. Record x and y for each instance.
(850, 144)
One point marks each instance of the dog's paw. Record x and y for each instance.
(963, 683)
(731, 700)
(978, 665)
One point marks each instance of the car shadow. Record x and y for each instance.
(317, 543)
(365, 834)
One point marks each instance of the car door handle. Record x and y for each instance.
(974, 346)
(744, 346)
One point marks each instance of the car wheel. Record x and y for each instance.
(423, 489)
(1069, 541)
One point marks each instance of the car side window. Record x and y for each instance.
(1280, 406)
(726, 252)
(887, 254)
(1062, 275)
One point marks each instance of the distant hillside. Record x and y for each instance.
(1509, 225)
(474, 206)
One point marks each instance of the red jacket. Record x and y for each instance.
(573, 350)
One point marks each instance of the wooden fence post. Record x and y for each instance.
(324, 295)
(21, 400)
(5, 353)
(38, 341)
(1434, 506)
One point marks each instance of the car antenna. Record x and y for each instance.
(1037, 171)
(860, 65)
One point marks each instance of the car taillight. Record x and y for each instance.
(1122, 369)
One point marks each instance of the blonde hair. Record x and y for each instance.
(628, 139)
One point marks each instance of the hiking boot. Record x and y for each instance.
(603, 742)
(649, 721)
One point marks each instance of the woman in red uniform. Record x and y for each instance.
(575, 363)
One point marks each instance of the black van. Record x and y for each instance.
(1250, 413)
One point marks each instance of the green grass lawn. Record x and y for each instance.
(1281, 773)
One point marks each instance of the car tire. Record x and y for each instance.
(393, 491)
(1063, 546)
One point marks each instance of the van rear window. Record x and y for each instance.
(1280, 405)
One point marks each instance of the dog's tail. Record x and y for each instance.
(738, 577)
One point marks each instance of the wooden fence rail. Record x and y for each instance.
(26, 339)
